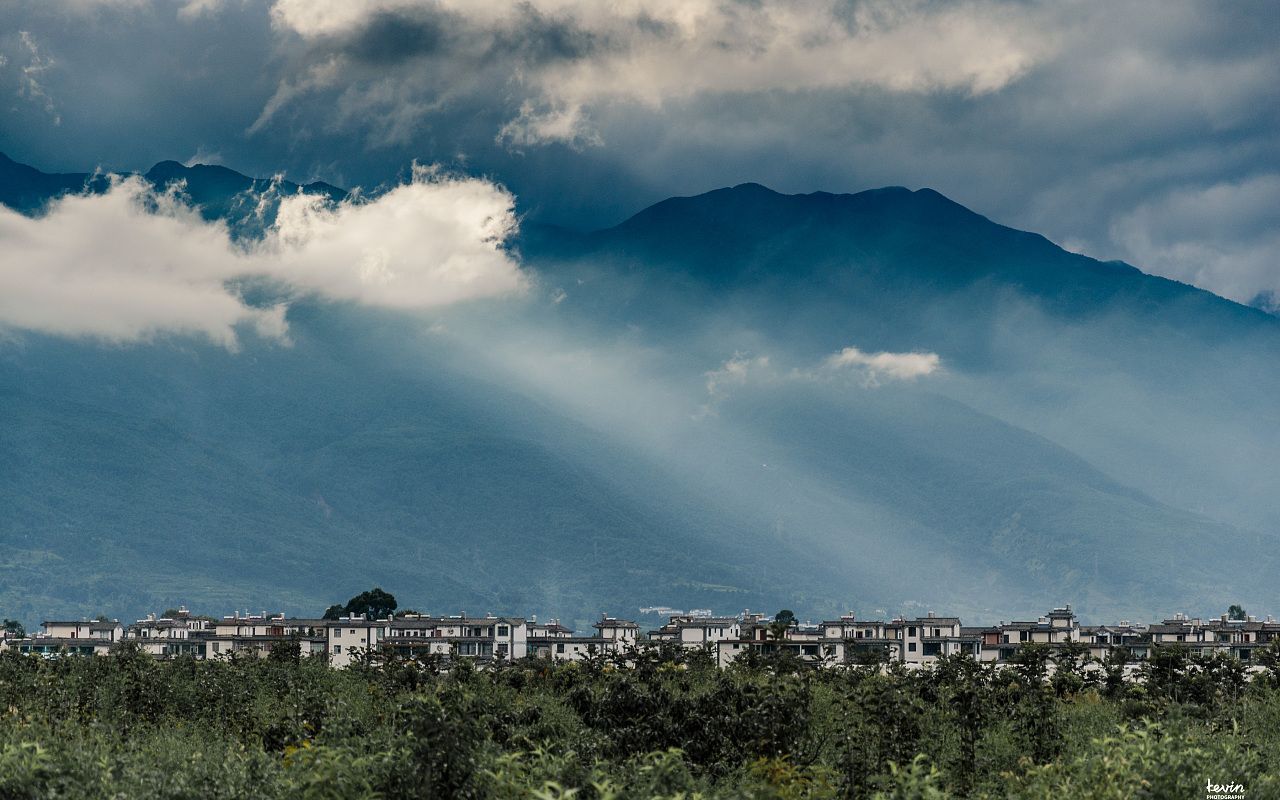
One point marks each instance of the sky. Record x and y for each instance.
(1142, 131)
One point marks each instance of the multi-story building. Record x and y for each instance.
(179, 635)
(928, 638)
(349, 638)
(259, 634)
(1104, 640)
(698, 631)
(1057, 627)
(549, 629)
(82, 637)
(612, 636)
(488, 637)
(805, 641)
(96, 629)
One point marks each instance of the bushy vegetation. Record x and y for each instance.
(668, 725)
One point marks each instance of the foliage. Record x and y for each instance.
(374, 604)
(783, 620)
(664, 723)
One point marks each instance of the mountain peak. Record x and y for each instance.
(738, 215)
(750, 187)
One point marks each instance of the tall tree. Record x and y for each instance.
(783, 620)
(334, 611)
(374, 604)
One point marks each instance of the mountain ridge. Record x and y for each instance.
(210, 186)
(1081, 429)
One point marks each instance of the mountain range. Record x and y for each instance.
(684, 410)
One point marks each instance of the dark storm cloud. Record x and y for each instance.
(1098, 124)
(393, 37)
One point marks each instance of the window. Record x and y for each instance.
(1024, 636)
(560, 647)
(337, 633)
(215, 647)
(503, 630)
(911, 647)
(337, 648)
(911, 631)
(353, 631)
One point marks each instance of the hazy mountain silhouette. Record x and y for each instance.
(27, 189)
(1096, 435)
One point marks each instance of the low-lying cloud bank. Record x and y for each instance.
(132, 263)
(873, 368)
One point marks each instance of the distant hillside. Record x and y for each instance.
(1166, 387)
(27, 189)
(219, 193)
(1095, 435)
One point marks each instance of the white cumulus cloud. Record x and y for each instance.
(131, 264)
(895, 366)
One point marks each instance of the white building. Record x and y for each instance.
(557, 643)
(1055, 628)
(487, 637)
(351, 637)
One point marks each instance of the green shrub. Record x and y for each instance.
(671, 725)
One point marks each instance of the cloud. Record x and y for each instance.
(893, 366)
(193, 10)
(1062, 118)
(560, 58)
(743, 369)
(30, 86)
(735, 372)
(433, 241)
(1223, 235)
(131, 264)
(203, 156)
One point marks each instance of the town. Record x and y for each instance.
(342, 639)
